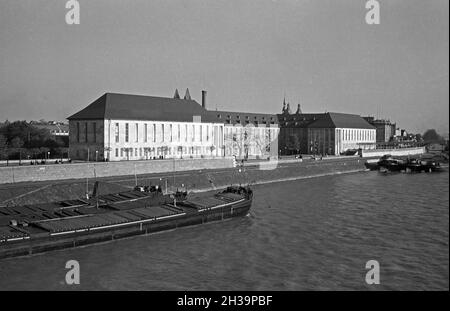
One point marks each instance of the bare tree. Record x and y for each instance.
(262, 142)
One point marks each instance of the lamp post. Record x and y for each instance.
(173, 182)
(96, 155)
(165, 181)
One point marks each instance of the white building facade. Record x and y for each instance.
(144, 140)
(251, 141)
(118, 127)
(352, 139)
(118, 140)
(337, 133)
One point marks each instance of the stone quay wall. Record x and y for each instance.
(14, 174)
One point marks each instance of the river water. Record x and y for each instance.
(311, 234)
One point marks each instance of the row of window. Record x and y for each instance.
(174, 132)
(170, 132)
(358, 134)
(242, 133)
(148, 153)
(246, 117)
(316, 136)
(84, 133)
(347, 134)
(247, 122)
(236, 129)
(157, 151)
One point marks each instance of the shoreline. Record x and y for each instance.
(280, 180)
(196, 181)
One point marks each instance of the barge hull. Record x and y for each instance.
(49, 243)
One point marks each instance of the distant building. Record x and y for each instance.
(120, 127)
(54, 128)
(323, 133)
(386, 130)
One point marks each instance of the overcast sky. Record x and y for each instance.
(246, 54)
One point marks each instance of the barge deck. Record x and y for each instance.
(39, 228)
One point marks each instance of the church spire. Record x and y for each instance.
(288, 109)
(176, 95)
(187, 95)
(284, 105)
(299, 110)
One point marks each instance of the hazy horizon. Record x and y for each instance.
(247, 54)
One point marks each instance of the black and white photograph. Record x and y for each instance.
(208, 147)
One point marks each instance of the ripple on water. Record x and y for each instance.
(312, 234)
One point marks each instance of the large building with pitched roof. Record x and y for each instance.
(327, 133)
(118, 127)
(385, 129)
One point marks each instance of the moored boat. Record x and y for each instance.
(34, 229)
(389, 164)
(372, 164)
(431, 166)
(413, 165)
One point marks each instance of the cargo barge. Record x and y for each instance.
(33, 229)
(409, 165)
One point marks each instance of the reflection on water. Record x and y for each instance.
(314, 234)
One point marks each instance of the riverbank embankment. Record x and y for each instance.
(16, 174)
(193, 180)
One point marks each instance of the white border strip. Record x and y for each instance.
(135, 222)
(219, 206)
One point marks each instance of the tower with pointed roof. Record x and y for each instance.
(288, 109)
(176, 95)
(187, 95)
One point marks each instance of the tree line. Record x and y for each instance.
(22, 140)
(431, 136)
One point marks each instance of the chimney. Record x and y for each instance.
(204, 99)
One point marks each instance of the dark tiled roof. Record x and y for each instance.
(298, 120)
(341, 120)
(243, 118)
(136, 107)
